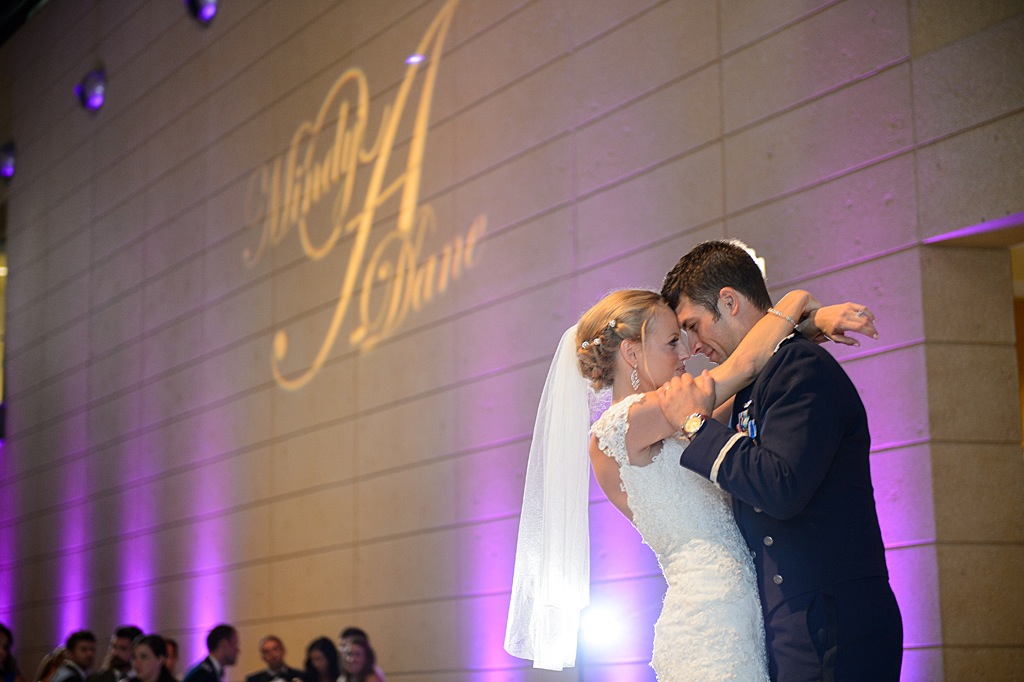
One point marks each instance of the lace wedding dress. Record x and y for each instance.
(710, 626)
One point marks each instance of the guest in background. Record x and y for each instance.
(172, 657)
(322, 661)
(351, 634)
(118, 660)
(50, 664)
(222, 643)
(149, 659)
(272, 652)
(9, 671)
(79, 655)
(359, 662)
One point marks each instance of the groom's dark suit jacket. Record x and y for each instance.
(800, 479)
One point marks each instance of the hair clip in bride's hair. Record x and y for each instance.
(611, 324)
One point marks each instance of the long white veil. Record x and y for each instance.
(551, 584)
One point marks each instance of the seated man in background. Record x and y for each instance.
(272, 652)
(79, 655)
(118, 660)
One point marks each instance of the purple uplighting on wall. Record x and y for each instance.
(139, 564)
(8, 510)
(74, 579)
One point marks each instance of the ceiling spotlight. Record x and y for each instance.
(202, 11)
(91, 90)
(8, 159)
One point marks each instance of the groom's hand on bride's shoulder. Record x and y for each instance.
(684, 395)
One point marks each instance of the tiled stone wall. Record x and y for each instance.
(156, 472)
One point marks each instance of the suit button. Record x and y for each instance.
(757, 510)
(768, 541)
(777, 579)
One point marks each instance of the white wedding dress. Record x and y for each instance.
(710, 626)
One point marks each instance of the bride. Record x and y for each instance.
(711, 626)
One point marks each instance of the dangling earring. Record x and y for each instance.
(634, 379)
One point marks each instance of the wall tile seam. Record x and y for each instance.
(57, 464)
(468, 38)
(653, 167)
(127, 437)
(978, 441)
(958, 343)
(269, 560)
(874, 350)
(817, 97)
(882, 448)
(962, 647)
(589, 121)
(926, 645)
(435, 123)
(85, 453)
(185, 66)
(71, 27)
(978, 125)
(130, 293)
(895, 547)
(571, 132)
(85, 274)
(568, 54)
(975, 35)
(966, 543)
(627, 20)
(186, 208)
(781, 28)
(212, 92)
(303, 616)
(270, 499)
(49, 604)
(621, 578)
(98, 402)
(141, 430)
(822, 180)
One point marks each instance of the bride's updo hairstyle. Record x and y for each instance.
(619, 316)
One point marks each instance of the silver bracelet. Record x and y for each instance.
(789, 319)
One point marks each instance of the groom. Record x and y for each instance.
(795, 460)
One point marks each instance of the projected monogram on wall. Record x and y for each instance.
(387, 274)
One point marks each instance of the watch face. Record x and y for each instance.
(693, 424)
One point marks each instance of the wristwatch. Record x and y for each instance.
(692, 425)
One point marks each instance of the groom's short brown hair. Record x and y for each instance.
(708, 267)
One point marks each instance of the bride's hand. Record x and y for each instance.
(834, 322)
(684, 395)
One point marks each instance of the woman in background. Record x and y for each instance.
(9, 671)
(149, 659)
(359, 662)
(322, 661)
